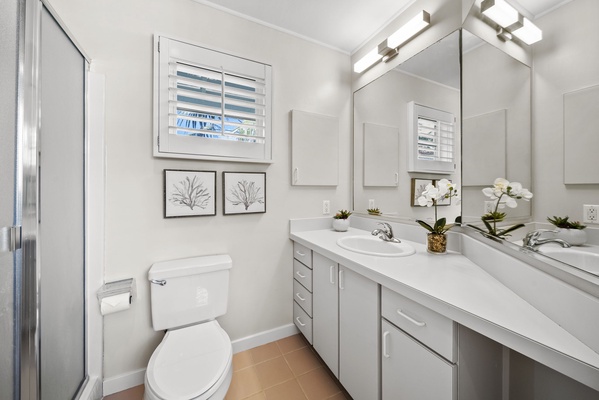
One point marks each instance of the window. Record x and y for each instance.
(210, 105)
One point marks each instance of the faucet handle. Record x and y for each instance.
(387, 227)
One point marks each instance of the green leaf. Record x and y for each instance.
(425, 225)
(508, 230)
(489, 227)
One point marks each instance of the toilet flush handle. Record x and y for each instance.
(160, 282)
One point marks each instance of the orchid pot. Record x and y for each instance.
(436, 243)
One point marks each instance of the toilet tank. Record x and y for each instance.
(189, 290)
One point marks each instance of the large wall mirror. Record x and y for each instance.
(383, 109)
(488, 86)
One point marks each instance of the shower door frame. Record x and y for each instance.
(27, 305)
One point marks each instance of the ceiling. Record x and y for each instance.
(340, 24)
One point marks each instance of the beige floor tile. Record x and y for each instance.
(318, 384)
(339, 396)
(273, 372)
(265, 352)
(292, 343)
(257, 396)
(245, 383)
(135, 393)
(289, 390)
(242, 360)
(302, 361)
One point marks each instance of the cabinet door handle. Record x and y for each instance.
(295, 175)
(299, 253)
(396, 178)
(341, 279)
(300, 275)
(385, 352)
(300, 297)
(412, 320)
(331, 274)
(299, 322)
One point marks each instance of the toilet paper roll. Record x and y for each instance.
(112, 304)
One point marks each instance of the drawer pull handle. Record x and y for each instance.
(300, 275)
(385, 352)
(412, 320)
(300, 297)
(299, 322)
(299, 253)
(331, 272)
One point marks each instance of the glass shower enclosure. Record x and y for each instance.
(42, 206)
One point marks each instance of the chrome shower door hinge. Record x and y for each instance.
(10, 238)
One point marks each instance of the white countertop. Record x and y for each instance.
(454, 286)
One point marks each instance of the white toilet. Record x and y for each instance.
(193, 361)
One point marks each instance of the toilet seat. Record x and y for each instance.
(190, 363)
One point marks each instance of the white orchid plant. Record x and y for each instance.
(430, 197)
(504, 193)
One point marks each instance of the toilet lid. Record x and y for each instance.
(189, 361)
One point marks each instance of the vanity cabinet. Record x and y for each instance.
(302, 290)
(418, 351)
(346, 326)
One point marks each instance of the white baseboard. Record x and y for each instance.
(249, 342)
(131, 379)
(124, 381)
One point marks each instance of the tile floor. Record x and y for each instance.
(287, 369)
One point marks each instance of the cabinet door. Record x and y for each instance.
(411, 371)
(359, 317)
(325, 311)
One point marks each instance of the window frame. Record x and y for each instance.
(200, 148)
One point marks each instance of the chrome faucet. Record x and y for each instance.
(533, 240)
(385, 233)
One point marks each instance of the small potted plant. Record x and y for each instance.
(341, 221)
(569, 231)
(373, 211)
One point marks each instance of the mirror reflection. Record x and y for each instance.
(413, 109)
(495, 133)
(496, 126)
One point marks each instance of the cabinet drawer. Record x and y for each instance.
(430, 328)
(302, 321)
(303, 254)
(302, 274)
(303, 297)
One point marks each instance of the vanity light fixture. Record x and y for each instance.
(529, 33)
(388, 48)
(510, 22)
(500, 11)
(369, 59)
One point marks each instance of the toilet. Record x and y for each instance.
(193, 361)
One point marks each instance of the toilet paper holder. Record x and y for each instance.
(115, 288)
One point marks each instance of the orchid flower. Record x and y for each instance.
(431, 195)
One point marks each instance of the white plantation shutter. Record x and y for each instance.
(211, 105)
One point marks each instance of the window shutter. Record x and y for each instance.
(218, 105)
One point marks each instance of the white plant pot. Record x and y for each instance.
(341, 225)
(575, 237)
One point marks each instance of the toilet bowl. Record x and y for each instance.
(190, 363)
(193, 361)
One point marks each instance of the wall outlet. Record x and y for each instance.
(370, 204)
(489, 206)
(326, 207)
(589, 213)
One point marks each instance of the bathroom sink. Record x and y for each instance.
(584, 260)
(374, 246)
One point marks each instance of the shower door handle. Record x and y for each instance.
(10, 239)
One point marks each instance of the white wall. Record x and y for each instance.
(565, 60)
(118, 36)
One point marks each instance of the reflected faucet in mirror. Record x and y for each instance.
(533, 240)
